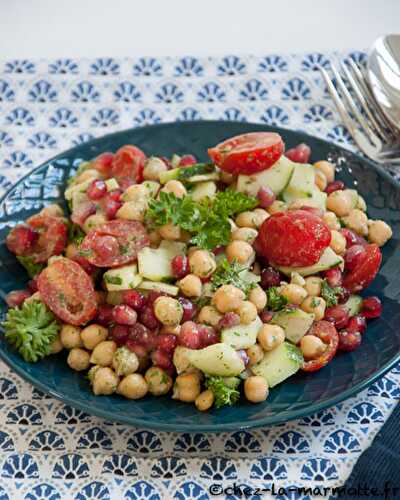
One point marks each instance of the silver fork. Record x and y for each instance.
(370, 129)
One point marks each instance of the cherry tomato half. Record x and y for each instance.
(325, 331)
(365, 271)
(128, 164)
(248, 153)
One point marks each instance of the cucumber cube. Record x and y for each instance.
(217, 359)
(122, 278)
(241, 336)
(295, 322)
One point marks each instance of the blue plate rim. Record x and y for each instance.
(176, 427)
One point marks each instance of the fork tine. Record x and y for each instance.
(354, 110)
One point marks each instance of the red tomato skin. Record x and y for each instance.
(21, 239)
(103, 163)
(68, 291)
(329, 336)
(294, 238)
(122, 240)
(248, 153)
(128, 163)
(365, 271)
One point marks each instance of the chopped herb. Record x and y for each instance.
(314, 302)
(113, 280)
(75, 234)
(31, 267)
(123, 249)
(329, 294)
(229, 274)
(202, 301)
(223, 394)
(164, 378)
(275, 301)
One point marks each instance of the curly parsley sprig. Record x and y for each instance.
(225, 395)
(229, 274)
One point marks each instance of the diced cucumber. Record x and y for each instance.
(302, 183)
(217, 359)
(317, 200)
(213, 176)
(353, 304)
(152, 187)
(185, 173)
(204, 190)
(249, 277)
(295, 322)
(122, 278)
(111, 184)
(159, 287)
(174, 248)
(279, 364)
(328, 260)
(277, 178)
(155, 263)
(175, 160)
(241, 336)
(78, 199)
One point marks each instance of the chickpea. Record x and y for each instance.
(256, 389)
(246, 234)
(327, 168)
(314, 305)
(245, 219)
(57, 345)
(170, 232)
(259, 216)
(171, 329)
(312, 346)
(93, 221)
(228, 298)
(53, 210)
(124, 361)
(297, 279)
(204, 400)
(258, 297)
(187, 387)
(190, 285)
(331, 221)
(361, 205)
(71, 251)
(78, 359)
(338, 242)
(255, 354)
(202, 263)
(103, 353)
(379, 232)
(313, 286)
(357, 221)
(233, 225)
(158, 381)
(239, 251)
(175, 187)
(105, 381)
(137, 193)
(168, 310)
(191, 251)
(270, 336)
(247, 312)
(277, 206)
(153, 168)
(93, 335)
(70, 336)
(295, 294)
(90, 173)
(209, 315)
(181, 359)
(133, 386)
(132, 210)
(155, 238)
(320, 180)
(340, 202)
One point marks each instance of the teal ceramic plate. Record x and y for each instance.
(302, 394)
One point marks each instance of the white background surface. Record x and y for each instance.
(80, 28)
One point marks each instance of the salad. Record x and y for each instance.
(199, 280)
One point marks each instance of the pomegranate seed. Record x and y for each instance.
(148, 318)
(352, 238)
(218, 250)
(161, 358)
(120, 334)
(32, 285)
(229, 320)
(138, 349)
(334, 186)
(349, 341)
(208, 335)
(105, 314)
(111, 208)
(270, 277)
(124, 315)
(115, 195)
(103, 162)
(343, 296)
(300, 154)
(189, 336)
(357, 323)
(134, 299)
(84, 210)
(353, 256)
(167, 342)
(96, 190)
(147, 339)
(337, 315)
(187, 160)
(265, 196)
(266, 316)
(243, 356)
(333, 277)
(136, 331)
(17, 297)
(189, 309)
(371, 307)
(180, 266)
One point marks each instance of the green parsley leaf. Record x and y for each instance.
(329, 294)
(75, 234)
(229, 274)
(275, 301)
(31, 267)
(223, 394)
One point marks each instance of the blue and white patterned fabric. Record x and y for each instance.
(53, 452)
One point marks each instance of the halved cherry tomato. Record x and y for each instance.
(294, 238)
(365, 271)
(128, 165)
(103, 163)
(114, 243)
(68, 291)
(248, 153)
(325, 331)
